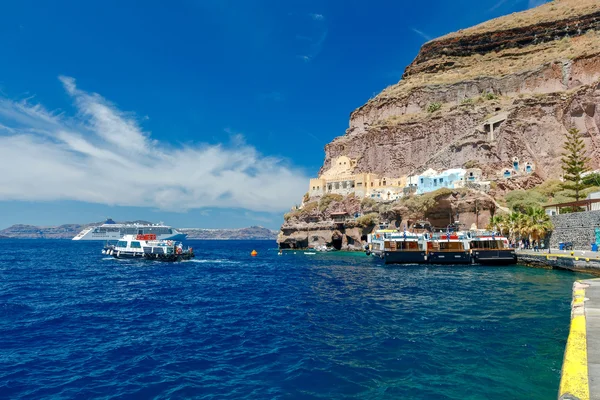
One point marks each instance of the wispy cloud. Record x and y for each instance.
(497, 5)
(315, 47)
(422, 34)
(314, 40)
(102, 155)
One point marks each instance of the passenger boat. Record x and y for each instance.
(489, 248)
(448, 248)
(405, 248)
(376, 240)
(148, 247)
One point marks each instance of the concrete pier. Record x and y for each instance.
(580, 261)
(580, 376)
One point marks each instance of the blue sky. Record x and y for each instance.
(196, 113)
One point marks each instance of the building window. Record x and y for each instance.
(344, 185)
(441, 180)
(337, 185)
(359, 184)
(371, 184)
(435, 182)
(384, 183)
(421, 180)
(351, 184)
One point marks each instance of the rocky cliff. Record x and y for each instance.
(314, 225)
(537, 72)
(508, 88)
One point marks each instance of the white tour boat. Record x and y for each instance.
(148, 247)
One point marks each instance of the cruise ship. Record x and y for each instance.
(110, 230)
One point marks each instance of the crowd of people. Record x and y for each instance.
(522, 244)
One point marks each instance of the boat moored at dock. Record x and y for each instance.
(448, 248)
(489, 248)
(375, 241)
(405, 248)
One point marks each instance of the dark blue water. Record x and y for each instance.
(75, 324)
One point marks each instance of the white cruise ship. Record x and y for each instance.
(110, 230)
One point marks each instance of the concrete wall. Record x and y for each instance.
(578, 228)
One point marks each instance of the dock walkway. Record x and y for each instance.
(580, 376)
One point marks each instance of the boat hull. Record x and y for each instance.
(169, 257)
(494, 257)
(127, 254)
(405, 257)
(449, 257)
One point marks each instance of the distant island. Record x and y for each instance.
(68, 231)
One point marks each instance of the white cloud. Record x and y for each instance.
(102, 155)
(317, 17)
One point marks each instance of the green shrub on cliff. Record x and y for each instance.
(368, 220)
(368, 204)
(521, 200)
(433, 107)
(303, 212)
(592, 179)
(328, 199)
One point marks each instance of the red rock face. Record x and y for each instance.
(540, 105)
(551, 87)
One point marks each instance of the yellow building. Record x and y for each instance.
(341, 179)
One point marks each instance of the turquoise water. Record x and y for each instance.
(76, 324)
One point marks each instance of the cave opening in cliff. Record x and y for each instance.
(336, 243)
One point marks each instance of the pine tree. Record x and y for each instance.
(574, 162)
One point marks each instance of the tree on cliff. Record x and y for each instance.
(574, 162)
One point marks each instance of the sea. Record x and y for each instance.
(76, 324)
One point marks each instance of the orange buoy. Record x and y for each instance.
(254, 253)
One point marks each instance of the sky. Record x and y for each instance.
(196, 113)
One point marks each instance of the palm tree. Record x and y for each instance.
(497, 223)
(515, 225)
(538, 223)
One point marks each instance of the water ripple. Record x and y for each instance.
(76, 324)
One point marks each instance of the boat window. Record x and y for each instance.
(487, 244)
(451, 246)
(135, 245)
(402, 245)
(122, 243)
